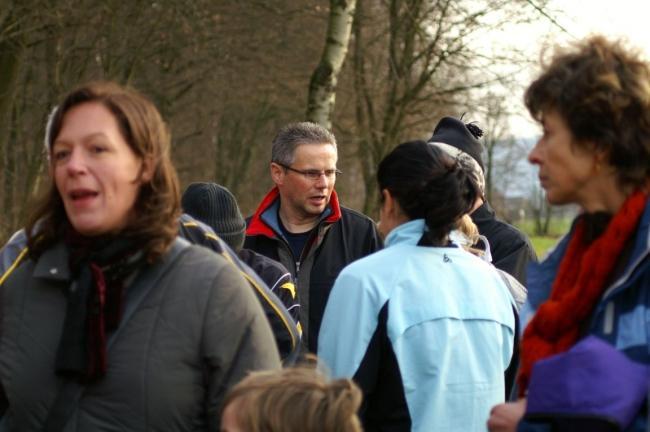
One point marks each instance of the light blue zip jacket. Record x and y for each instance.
(448, 327)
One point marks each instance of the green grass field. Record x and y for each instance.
(542, 244)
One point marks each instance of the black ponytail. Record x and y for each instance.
(428, 184)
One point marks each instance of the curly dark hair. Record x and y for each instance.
(602, 91)
(158, 203)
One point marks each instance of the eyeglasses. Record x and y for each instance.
(313, 174)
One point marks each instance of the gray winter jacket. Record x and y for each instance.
(195, 333)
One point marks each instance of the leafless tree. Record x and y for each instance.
(322, 87)
(225, 75)
(414, 61)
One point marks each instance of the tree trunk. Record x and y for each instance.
(322, 87)
(10, 60)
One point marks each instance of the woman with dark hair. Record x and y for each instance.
(586, 343)
(424, 327)
(110, 322)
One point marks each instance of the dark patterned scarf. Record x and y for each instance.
(99, 267)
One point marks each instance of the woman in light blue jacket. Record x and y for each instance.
(424, 327)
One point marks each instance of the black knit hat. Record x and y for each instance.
(463, 136)
(215, 206)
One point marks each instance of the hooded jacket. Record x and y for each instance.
(341, 237)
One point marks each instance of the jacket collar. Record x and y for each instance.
(265, 220)
(408, 233)
(53, 263)
(483, 213)
(640, 251)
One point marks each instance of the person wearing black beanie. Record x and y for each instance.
(463, 136)
(511, 249)
(215, 206)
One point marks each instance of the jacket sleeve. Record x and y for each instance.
(285, 289)
(286, 332)
(375, 242)
(349, 324)
(354, 343)
(283, 325)
(12, 253)
(527, 426)
(516, 261)
(236, 339)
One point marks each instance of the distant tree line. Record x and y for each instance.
(227, 74)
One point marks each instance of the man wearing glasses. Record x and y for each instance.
(301, 224)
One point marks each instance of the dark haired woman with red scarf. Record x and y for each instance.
(593, 290)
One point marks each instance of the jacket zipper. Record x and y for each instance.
(625, 276)
(608, 322)
(296, 263)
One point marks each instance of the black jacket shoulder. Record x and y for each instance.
(511, 249)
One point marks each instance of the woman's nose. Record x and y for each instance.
(534, 157)
(76, 163)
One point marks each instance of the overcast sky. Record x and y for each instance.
(621, 19)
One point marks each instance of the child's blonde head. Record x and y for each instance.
(292, 400)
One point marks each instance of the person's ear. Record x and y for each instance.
(277, 173)
(600, 160)
(389, 202)
(146, 170)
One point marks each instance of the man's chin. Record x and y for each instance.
(315, 210)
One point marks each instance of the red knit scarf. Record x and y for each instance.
(579, 284)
